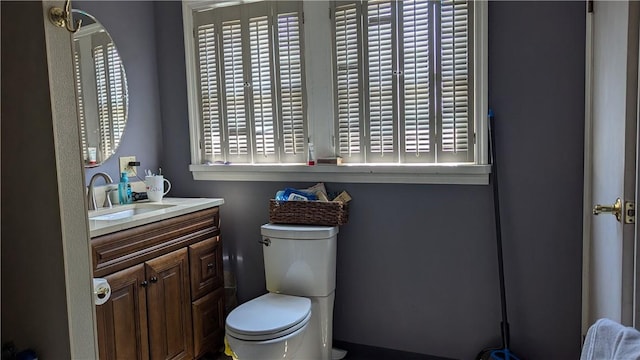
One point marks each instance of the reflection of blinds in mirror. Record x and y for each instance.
(116, 93)
(102, 87)
(209, 104)
(110, 89)
(290, 74)
(80, 97)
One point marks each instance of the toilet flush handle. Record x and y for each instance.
(265, 242)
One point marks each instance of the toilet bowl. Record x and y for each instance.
(271, 326)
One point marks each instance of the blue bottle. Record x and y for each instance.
(124, 189)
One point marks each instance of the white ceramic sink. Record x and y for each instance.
(121, 217)
(126, 211)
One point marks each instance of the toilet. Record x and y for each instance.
(295, 319)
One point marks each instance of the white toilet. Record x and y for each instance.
(295, 319)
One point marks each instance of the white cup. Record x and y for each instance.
(155, 187)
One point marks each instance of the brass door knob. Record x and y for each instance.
(615, 209)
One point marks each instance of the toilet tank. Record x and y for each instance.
(300, 259)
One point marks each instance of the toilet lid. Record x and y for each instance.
(269, 316)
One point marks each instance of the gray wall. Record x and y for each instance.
(131, 25)
(416, 263)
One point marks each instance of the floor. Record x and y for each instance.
(363, 352)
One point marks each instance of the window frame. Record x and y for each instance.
(320, 121)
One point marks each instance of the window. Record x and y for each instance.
(251, 83)
(404, 75)
(396, 88)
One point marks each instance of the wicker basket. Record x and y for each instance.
(308, 212)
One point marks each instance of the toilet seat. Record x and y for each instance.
(269, 316)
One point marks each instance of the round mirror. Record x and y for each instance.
(101, 89)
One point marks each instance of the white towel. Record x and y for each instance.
(608, 340)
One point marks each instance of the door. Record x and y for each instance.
(122, 321)
(169, 306)
(610, 160)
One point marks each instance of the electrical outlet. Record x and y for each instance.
(124, 166)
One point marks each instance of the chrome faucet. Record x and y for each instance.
(91, 195)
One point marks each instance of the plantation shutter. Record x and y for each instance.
(234, 86)
(410, 68)
(289, 72)
(417, 99)
(456, 138)
(381, 69)
(251, 83)
(209, 92)
(349, 97)
(261, 81)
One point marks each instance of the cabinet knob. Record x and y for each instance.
(144, 283)
(153, 279)
(210, 266)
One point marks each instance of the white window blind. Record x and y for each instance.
(348, 82)
(251, 84)
(289, 70)
(417, 96)
(456, 89)
(263, 114)
(210, 106)
(403, 75)
(234, 92)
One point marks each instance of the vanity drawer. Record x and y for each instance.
(205, 260)
(122, 249)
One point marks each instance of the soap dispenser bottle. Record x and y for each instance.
(124, 189)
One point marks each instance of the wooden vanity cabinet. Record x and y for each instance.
(167, 291)
(122, 321)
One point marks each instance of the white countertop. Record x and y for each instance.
(176, 207)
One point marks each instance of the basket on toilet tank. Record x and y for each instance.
(330, 213)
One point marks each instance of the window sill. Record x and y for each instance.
(382, 174)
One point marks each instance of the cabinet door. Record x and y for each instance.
(206, 267)
(169, 306)
(208, 322)
(122, 321)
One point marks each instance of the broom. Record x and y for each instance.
(503, 352)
